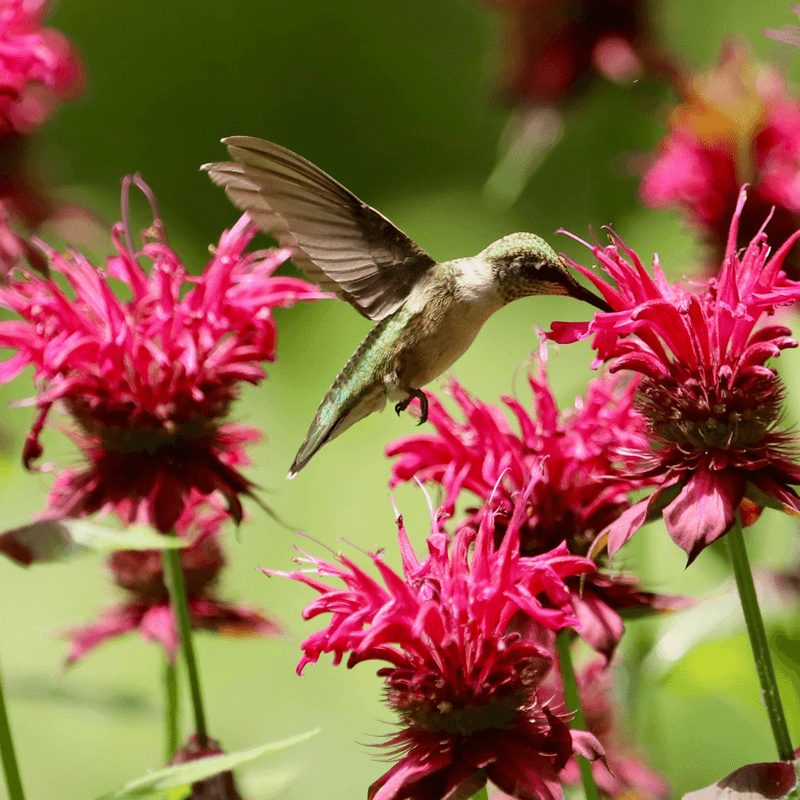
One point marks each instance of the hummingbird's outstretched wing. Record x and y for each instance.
(341, 243)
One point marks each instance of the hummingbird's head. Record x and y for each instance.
(524, 264)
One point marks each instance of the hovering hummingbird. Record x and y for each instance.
(427, 313)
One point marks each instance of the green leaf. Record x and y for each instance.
(51, 540)
(136, 537)
(185, 774)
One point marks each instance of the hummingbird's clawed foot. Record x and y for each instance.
(423, 401)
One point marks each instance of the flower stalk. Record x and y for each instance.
(758, 641)
(10, 766)
(574, 704)
(481, 794)
(173, 575)
(171, 708)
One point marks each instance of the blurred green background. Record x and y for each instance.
(398, 101)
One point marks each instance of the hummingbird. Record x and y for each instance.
(426, 313)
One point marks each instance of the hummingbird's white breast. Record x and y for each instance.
(447, 309)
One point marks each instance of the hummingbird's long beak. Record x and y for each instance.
(592, 299)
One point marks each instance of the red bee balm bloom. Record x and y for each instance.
(556, 46)
(140, 574)
(711, 404)
(737, 124)
(149, 380)
(458, 633)
(572, 461)
(38, 66)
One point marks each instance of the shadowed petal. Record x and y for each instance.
(704, 510)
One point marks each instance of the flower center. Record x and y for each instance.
(694, 416)
(452, 702)
(130, 430)
(162, 440)
(444, 716)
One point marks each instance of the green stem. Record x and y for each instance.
(481, 794)
(10, 766)
(574, 704)
(758, 641)
(171, 707)
(171, 559)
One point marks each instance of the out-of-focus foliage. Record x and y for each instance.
(398, 102)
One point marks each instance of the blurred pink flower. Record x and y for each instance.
(39, 67)
(627, 775)
(148, 380)
(575, 463)
(459, 632)
(147, 609)
(15, 248)
(555, 47)
(737, 125)
(712, 406)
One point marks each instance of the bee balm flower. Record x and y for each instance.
(458, 634)
(737, 124)
(148, 380)
(38, 67)
(146, 608)
(711, 404)
(574, 463)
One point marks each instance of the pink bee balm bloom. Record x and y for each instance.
(38, 67)
(148, 380)
(147, 609)
(459, 632)
(737, 124)
(573, 462)
(712, 406)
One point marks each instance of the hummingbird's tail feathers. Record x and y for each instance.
(339, 410)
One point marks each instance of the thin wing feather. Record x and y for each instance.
(341, 243)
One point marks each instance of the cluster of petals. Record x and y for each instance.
(38, 67)
(555, 46)
(147, 608)
(737, 124)
(573, 463)
(712, 405)
(148, 379)
(462, 633)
